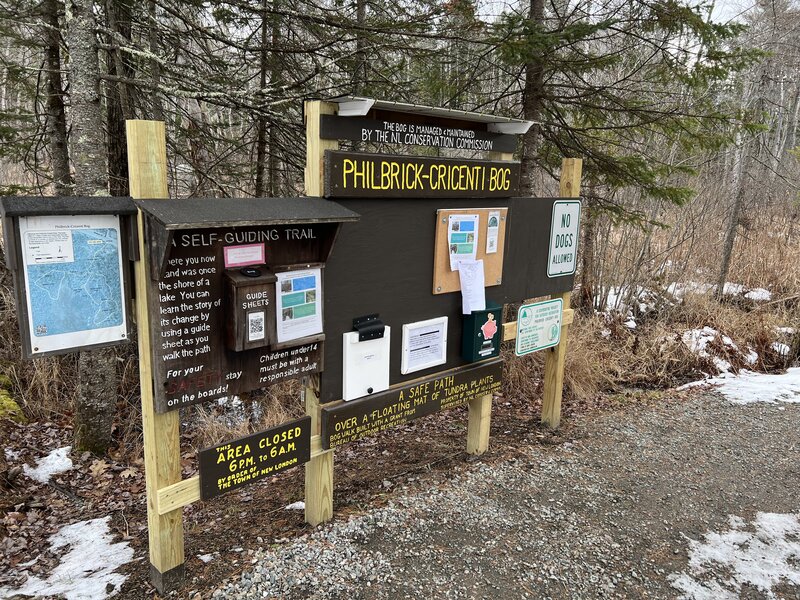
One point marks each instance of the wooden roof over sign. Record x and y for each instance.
(37, 206)
(206, 213)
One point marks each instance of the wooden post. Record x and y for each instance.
(319, 470)
(147, 173)
(555, 356)
(479, 417)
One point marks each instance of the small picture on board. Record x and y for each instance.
(311, 296)
(493, 221)
(288, 314)
(453, 249)
(286, 286)
(455, 226)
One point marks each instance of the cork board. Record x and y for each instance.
(446, 280)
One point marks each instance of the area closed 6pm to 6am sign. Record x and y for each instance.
(562, 258)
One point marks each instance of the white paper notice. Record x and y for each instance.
(424, 345)
(492, 231)
(473, 292)
(462, 238)
(299, 304)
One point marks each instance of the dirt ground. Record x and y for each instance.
(610, 506)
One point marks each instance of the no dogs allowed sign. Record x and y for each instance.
(562, 258)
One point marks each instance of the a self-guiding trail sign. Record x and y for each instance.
(538, 326)
(563, 256)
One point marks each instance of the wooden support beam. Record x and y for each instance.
(319, 470)
(147, 173)
(510, 328)
(554, 359)
(479, 415)
(478, 425)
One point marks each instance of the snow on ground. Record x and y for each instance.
(748, 387)
(759, 295)
(697, 341)
(299, 505)
(86, 571)
(54, 463)
(762, 556)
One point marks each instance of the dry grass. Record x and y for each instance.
(256, 412)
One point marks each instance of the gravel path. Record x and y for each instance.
(635, 503)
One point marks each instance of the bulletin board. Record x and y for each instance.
(446, 280)
(382, 264)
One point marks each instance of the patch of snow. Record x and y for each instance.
(630, 323)
(606, 333)
(722, 563)
(785, 330)
(58, 461)
(759, 295)
(680, 290)
(299, 505)
(11, 455)
(697, 339)
(749, 387)
(751, 357)
(732, 289)
(781, 349)
(206, 558)
(86, 571)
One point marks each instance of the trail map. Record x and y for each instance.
(73, 277)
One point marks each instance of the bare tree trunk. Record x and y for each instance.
(531, 109)
(56, 116)
(118, 102)
(155, 67)
(96, 401)
(275, 79)
(585, 299)
(730, 238)
(86, 111)
(261, 126)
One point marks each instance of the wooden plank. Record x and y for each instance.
(554, 359)
(445, 280)
(147, 172)
(319, 470)
(478, 425)
(316, 146)
(510, 329)
(178, 495)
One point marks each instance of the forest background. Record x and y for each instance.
(687, 128)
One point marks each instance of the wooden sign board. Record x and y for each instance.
(352, 174)
(446, 280)
(383, 264)
(232, 465)
(192, 361)
(407, 133)
(350, 421)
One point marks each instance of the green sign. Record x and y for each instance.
(538, 326)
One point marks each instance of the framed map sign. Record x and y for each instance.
(74, 281)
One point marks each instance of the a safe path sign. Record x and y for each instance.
(538, 326)
(562, 258)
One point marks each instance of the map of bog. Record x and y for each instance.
(73, 281)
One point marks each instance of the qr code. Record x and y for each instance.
(255, 326)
